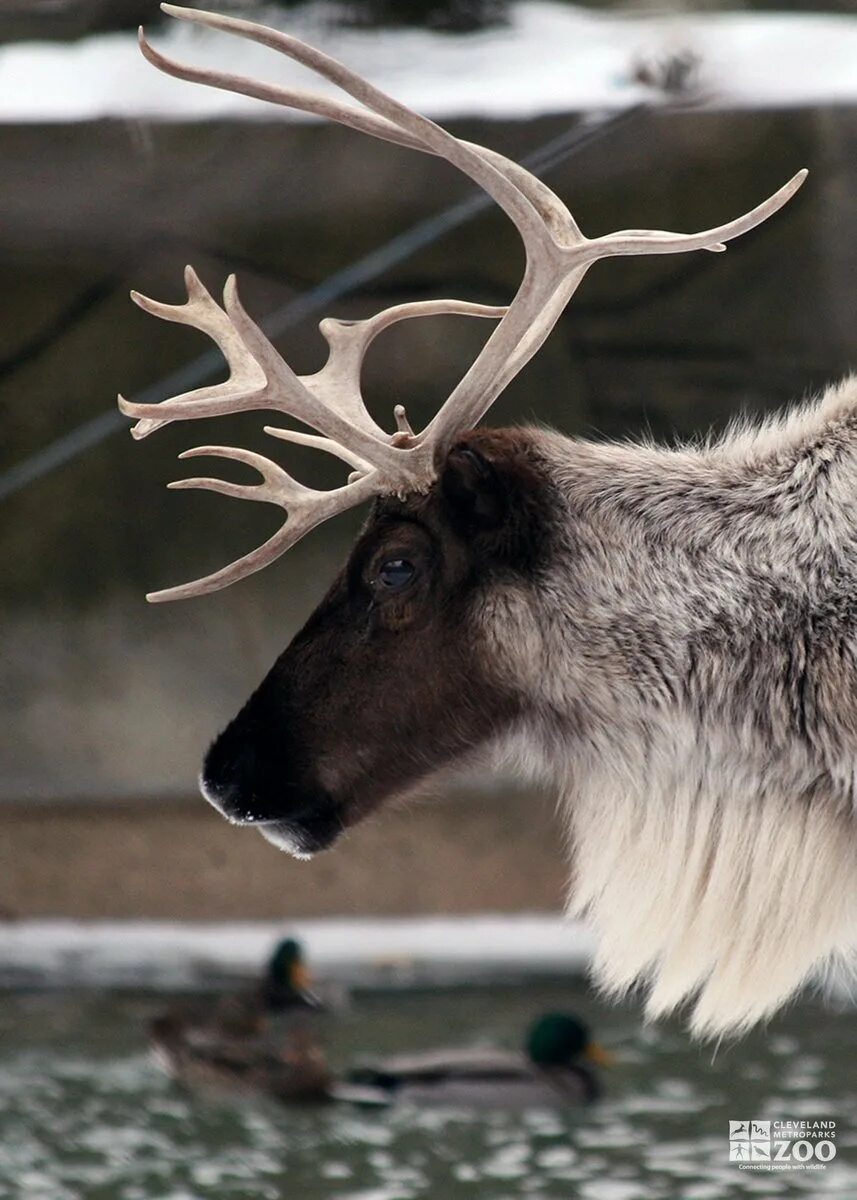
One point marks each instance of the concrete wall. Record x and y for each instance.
(467, 852)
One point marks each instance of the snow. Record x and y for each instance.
(549, 58)
(371, 952)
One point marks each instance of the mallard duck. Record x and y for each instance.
(555, 1067)
(294, 1072)
(282, 989)
(225, 1044)
(286, 982)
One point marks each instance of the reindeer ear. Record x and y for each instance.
(473, 489)
(496, 496)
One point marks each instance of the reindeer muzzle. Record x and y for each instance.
(251, 783)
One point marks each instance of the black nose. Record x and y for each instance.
(250, 785)
(254, 774)
(252, 771)
(234, 780)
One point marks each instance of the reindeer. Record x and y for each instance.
(667, 635)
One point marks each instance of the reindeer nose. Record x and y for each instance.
(254, 773)
(241, 781)
(250, 784)
(226, 781)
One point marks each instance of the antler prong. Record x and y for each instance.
(319, 443)
(246, 383)
(403, 425)
(656, 241)
(303, 514)
(338, 382)
(534, 208)
(238, 491)
(278, 488)
(262, 556)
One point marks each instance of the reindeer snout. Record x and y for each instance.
(233, 780)
(251, 776)
(253, 779)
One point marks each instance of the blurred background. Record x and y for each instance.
(114, 176)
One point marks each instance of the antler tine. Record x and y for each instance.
(552, 210)
(539, 214)
(246, 383)
(305, 508)
(544, 295)
(339, 379)
(260, 378)
(319, 443)
(278, 487)
(656, 241)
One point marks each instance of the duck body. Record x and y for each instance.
(476, 1079)
(550, 1071)
(252, 1042)
(232, 1052)
(294, 1073)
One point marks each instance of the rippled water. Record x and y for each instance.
(85, 1113)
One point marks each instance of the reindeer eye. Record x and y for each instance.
(395, 574)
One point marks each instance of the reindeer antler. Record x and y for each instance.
(557, 258)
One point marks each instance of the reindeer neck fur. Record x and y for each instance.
(693, 691)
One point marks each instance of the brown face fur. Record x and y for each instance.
(388, 681)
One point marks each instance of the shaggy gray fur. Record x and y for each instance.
(690, 658)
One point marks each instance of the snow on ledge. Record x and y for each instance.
(548, 58)
(369, 952)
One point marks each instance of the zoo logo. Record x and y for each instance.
(782, 1145)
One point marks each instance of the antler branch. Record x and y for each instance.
(389, 120)
(654, 241)
(305, 508)
(545, 293)
(246, 383)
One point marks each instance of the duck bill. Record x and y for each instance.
(301, 979)
(598, 1055)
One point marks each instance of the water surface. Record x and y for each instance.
(85, 1113)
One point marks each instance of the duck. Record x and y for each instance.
(240, 1043)
(286, 983)
(294, 1072)
(555, 1068)
(283, 989)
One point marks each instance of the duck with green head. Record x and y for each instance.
(286, 981)
(243, 1016)
(227, 1044)
(557, 1066)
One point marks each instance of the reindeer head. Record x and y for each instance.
(397, 672)
(406, 665)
